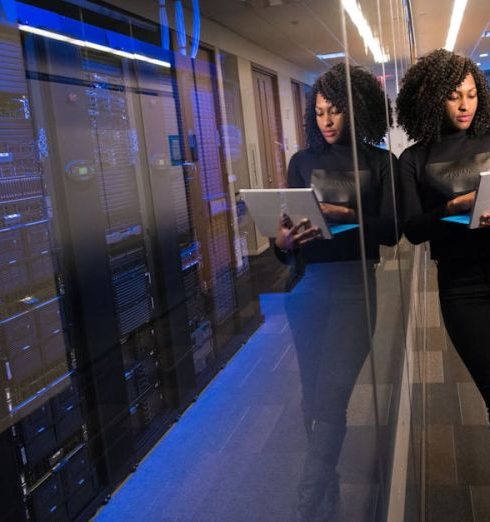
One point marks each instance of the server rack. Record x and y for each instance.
(45, 462)
(119, 328)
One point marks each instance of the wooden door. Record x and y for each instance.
(299, 102)
(269, 127)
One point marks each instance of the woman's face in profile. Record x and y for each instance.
(462, 103)
(329, 119)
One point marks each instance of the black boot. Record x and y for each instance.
(318, 491)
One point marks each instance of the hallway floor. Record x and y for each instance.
(237, 453)
(458, 437)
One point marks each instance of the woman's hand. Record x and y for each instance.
(485, 220)
(338, 213)
(461, 204)
(290, 236)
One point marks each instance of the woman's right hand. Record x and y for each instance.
(290, 236)
(461, 204)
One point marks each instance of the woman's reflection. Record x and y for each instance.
(327, 309)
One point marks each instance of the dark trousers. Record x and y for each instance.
(464, 293)
(327, 316)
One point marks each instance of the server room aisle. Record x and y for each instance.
(458, 438)
(237, 453)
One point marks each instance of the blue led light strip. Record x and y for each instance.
(92, 45)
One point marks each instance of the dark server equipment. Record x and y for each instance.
(37, 435)
(119, 299)
(47, 500)
(67, 414)
(144, 411)
(79, 480)
(39, 426)
(132, 290)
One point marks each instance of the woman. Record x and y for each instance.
(444, 105)
(327, 309)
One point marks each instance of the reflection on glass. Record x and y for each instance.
(32, 336)
(327, 308)
(130, 269)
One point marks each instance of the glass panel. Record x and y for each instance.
(140, 297)
(385, 386)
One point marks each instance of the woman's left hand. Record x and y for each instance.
(338, 213)
(485, 220)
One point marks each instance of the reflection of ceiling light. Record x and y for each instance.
(355, 13)
(478, 63)
(455, 24)
(91, 45)
(483, 55)
(330, 56)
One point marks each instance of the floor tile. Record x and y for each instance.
(472, 445)
(473, 410)
(449, 504)
(441, 461)
(480, 499)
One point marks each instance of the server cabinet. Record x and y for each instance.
(208, 192)
(120, 294)
(40, 403)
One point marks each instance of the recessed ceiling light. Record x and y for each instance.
(372, 42)
(483, 55)
(456, 19)
(330, 56)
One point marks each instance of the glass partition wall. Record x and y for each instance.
(390, 421)
(142, 311)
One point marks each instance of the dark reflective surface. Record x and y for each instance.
(131, 273)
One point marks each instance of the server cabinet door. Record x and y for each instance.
(37, 360)
(209, 195)
(66, 110)
(180, 301)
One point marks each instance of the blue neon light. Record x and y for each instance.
(164, 26)
(7, 11)
(180, 26)
(43, 19)
(196, 28)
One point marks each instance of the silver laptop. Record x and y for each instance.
(481, 205)
(266, 206)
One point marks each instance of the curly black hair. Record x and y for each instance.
(368, 100)
(420, 105)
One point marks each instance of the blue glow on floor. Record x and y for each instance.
(221, 460)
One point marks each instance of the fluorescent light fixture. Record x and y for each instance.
(456, 19)
(355, 13)
(483, 55)
(330, 56)
(92, 45)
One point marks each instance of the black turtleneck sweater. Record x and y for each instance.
(432, 175)
(335, 167)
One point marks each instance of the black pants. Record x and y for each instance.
(327, 316)
(464, 293)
